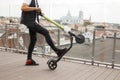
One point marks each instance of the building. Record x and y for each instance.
(69, 19)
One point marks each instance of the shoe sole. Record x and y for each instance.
(31, 64)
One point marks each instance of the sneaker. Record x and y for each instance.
(31, 62)
(61, 52)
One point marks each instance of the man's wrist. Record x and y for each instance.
(36, 8)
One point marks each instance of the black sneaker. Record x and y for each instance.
(61, 52)
(31, 62)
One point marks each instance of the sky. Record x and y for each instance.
(99, 10)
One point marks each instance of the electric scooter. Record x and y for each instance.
(52, 63)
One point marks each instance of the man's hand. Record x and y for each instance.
(38, 10)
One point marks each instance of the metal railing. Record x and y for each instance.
(11, 40)
(114, 37)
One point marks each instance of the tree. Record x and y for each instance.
(86, 23)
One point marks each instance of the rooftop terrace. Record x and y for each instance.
(12, 68)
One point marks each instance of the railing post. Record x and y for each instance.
(113, 55)
(58, 37)
(17, 47)
(93, 48)
(6, 37)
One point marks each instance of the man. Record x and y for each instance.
(29, 18)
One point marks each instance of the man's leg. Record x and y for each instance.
(33, 39)
(46, 34)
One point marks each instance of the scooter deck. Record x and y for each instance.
(62, 55)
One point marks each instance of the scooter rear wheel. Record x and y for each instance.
(52, 64)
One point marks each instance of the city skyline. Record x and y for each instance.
(100, 11)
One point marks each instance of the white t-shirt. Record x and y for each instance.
(27, 1)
